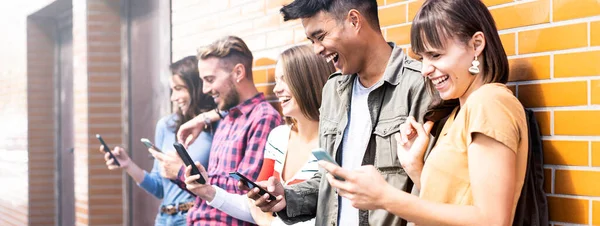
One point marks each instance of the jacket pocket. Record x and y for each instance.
(329, 133)
(386, 159)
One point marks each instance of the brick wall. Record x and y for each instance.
(554, 51)
(97, 101)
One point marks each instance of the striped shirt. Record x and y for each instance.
(275, 155)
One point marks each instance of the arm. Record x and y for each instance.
(234, 205)
(152, 182)
(301, 201)
(492, 172)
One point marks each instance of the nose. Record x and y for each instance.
(174, 95)
(205, 88)
(428, 68)
(277, 88)
(318, 48)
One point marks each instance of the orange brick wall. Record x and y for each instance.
(554, 52)
(99, 193)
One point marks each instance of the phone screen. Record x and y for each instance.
(187, 160)
(321, 154)
(149, 144)
(238, 176)
(107, 149)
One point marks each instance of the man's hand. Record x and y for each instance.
(189, 131)
(170, 163)
(204, 191)
(273, 186)
(121, 156)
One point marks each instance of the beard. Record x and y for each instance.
(230, 99)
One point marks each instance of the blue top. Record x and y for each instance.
(163, 188)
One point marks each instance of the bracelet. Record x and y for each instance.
(207, 122)
(219, 113)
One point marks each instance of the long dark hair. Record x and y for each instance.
(440, 20)
(187, 70)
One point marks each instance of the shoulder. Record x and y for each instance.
(279, 132)
(494, 94)
(166, 122)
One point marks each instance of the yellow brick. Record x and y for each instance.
(577, 182)
(554, 38)
(271, 75)
(572, 153)
(495, 2)
(512, 88)
(530, 68)
(267, 90)
(595, 86)
(553, 94)
(392, 15)
(399, 35)
(393, 1)
(595, 33)
(543, 119)
(595, 153)
(577, 123)
(380, 2)
(508, 42)
(595, 212)
(548, 180)
(277, 4)
(568, 210)
(573, 9)
(577, 64)
(264, 62)
(413, 8)
(524, 14)
(259, 76)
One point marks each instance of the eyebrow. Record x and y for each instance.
(315, 33)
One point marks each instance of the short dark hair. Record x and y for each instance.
(339, 8)
(187, 69)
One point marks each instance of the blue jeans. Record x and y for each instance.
(178, 219)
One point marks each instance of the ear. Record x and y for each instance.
(239, 72)
(478, 42)
(354, 18)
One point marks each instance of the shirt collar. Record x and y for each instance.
(246, 107)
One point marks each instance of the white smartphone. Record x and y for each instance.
(149, 144)
(321, 154)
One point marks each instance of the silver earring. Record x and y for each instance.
(474, 69)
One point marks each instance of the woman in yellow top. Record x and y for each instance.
(475, 172)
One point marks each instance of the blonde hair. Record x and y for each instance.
(305, 73)
(230, 50)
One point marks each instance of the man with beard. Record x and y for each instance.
(225, 67)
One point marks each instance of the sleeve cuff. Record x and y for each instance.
(146, 182)
(219, 199)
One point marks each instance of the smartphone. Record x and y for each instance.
(149, 144)
(187, 160)
(250, 184)
(107, 149)
(321, 154)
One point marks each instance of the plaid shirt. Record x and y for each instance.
(238, 145)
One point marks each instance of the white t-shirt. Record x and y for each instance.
(355, 141)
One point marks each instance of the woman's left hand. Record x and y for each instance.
(364, 187)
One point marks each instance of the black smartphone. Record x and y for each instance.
(107, 149)
(321, 154)
(149, 144)
(187, 160)
(250, 184)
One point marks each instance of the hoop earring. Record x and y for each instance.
(474, 69)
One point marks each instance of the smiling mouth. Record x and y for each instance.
(440, 80)
(332, 57)
(284, 100)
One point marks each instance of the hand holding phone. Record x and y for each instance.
(107, 149)
(149, 144)
(187, 160)
(261, 191)
(321, 154)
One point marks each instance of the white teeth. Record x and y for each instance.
(439, 80)
(330, 57)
